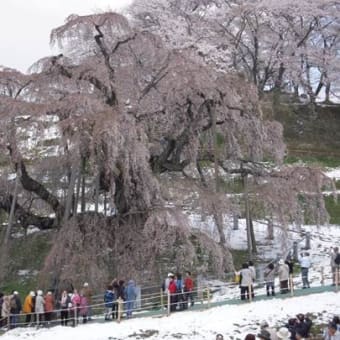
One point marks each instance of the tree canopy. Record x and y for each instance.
(128, 110)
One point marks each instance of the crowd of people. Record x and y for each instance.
(116, 292)
(297, 328)
(71, 306)
(283, 269)
(181, 290)
(39, 308)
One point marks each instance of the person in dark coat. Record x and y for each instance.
(115, 287)
(15, 309)
(65, 303)
(269, 277)
(120, 295)
(180, 291)
(303, 325)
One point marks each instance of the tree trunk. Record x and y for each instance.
(76, 199)
(83, 186)
(96, 197)
(219, 224)
(70, 194)
(105, 204)
(218, 215)
(214, 133)
(270, 230)
(252, 235)
(11, 214)
(246, 204)
(328, 92)
(279, 80)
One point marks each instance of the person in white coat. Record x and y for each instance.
(283, 272)
(39, 306)
(245, 281)
(305, 264)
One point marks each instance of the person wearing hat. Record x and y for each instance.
(167, 282)
(283, 272)
(265, 335)
(49, 307)
(15, 309)
(265, 326)
(283, 334)
(28, 307)
(39, 307)
(87, 292)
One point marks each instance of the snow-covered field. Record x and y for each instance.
(233, 321)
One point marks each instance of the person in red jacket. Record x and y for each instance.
(49, 307)
(173, 294)
(189, 289)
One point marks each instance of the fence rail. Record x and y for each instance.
(162, 304)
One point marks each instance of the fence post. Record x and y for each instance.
(9, 321)
(322, 276)
(169, 304)
(119, 309)
(75, 316)
(291, 284)
(162, 301)
(250, 293)
(336, 278)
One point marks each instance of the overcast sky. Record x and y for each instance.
(25, 26)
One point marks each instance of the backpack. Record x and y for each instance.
(337, 259)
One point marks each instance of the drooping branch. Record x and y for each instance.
(32, 185)
(107, 56)
(23, 216)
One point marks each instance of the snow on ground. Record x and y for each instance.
(333, 173)
(233, 321)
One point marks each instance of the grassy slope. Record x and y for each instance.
(312, 136)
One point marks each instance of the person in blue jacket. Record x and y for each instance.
(109, 298)
(131, 295)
